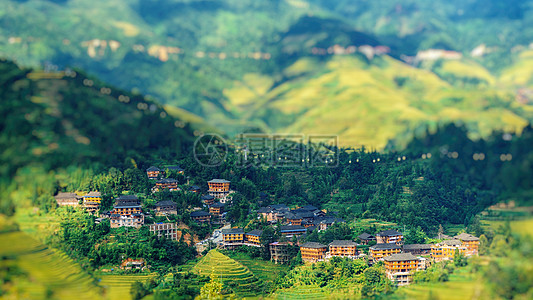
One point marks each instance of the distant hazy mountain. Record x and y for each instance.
(357, 68)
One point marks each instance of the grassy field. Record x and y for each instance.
(117, 287)
(301, 292)
(264, 270)
(46, 273)
(461, 286)
(232, 273)
(523, 227)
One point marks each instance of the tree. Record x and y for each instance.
(213, 289)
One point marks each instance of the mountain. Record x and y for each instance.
(59, 119)
(231, 62)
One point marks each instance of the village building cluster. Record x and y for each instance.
(400, 260)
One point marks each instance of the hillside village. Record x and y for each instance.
(400, 260)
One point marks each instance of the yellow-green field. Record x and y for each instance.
(47, 273)
(461, 286)
(523, 227)
(117, 287)
(232, 273)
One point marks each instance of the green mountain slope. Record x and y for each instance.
(219, 59)
(372, 103)
(57, 119)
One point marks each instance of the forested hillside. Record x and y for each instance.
(53, 120)
(248, 65)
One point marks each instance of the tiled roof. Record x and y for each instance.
(343, 243)
(66, 195)
(389, 233)
(166, 203)
(219, 181)
(292, 228)
(233, 231)
(153, 169)
(365, 236)
(400, 257)
(93, 194)
(207, 197)
(218, 204)
(312, 245)
(199, 213)
(466, 237)
(255, 232)
(385, 246)
(417, 247)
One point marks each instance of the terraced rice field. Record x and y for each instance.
(264, 270)
(301, 292)
(232, 273)
(117, 287)
(47, 273)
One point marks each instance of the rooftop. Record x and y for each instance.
(385, 246)
(417, 247)
(66, 195)
(452, 242)
(166, 203)
(207, 197)
(219, 181)
(400, 257)
(255, 232)
(366, 236)
(199, 213)
(233, 231)
(93, 194)
(127, 197)
(466, 237)
(218, 204)
(167, 180)
(344, 243)
(153, 169)
(312, 245)
(292, 228)
(389, 233)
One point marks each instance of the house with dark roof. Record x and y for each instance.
(400, 267)
(232, 238)
(194, 189)
(154, 172)
(390, 236)
(219, 188)
(170, 184)
(312, 252)
(165, 208)
(292, 230)
(94, 196)
(128, 199)
(208, 199)
(417, 249)
(342, 248)
(366, 238)
(253, 238)
(201, 216)
(470, 242)
(378, 251)
(67, 199)
(176, 169)
(446, 250)
(217, 208)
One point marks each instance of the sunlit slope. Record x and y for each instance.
(232, 273)
(371, 103)
(521, 71)
(43, 273)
